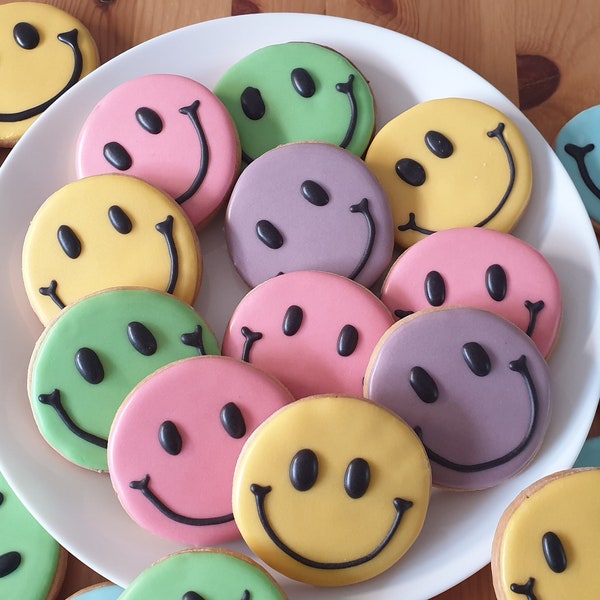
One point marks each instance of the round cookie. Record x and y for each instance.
(32, 563)
(195, 574)
(576, 148)
(313, 330)
(45, 51)
(175, 441)
(101, 591)
(95, 352)
(548, 539)
(295, 92)
(170, 131)
(309, 205)
(473, 386)
(331, 490)
(451, 162)
(108, 231)
(481, 268)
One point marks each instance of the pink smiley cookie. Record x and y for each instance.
(482, 268)
(174, 444)
(169, 130)
(313, 330)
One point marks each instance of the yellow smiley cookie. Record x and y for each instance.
(108, 231)
(331, 490)
(451, 162)
(44, 51)
(547, 543)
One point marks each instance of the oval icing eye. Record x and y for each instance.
(292, 320)
(170, 438)
(303, 83)
(252, 103)
(69, 241)
(141, 338)
(304, 469)
(496, 282)
(9, 562)
(314, 193)
(26, 35)
(117, 156)
(149, 120)
(233, 420)
(554, 552)
(347, 340)
(423, 384)
(89, 365)
(269, 235)
(192, 596)
(357, 478)
(439, 144)
(435, 288)
(119, 219)
(477, 359)
(411, 172)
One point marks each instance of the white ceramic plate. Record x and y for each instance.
(79, 507)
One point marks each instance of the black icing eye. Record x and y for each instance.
(26, 35)
(435, 288)
(269, 235)
(149, 120)
(117, 156)
(170, 438)
(357, 478)
(314, 193)
(141, 338)
(439, 144)
(1, 498)
(233, 420)
(89, 365)
(192, 596)
(69, 241)
(304, 469)
(9, 562)
(495, 282)
(477, 359)
(303, 83)
(347, 340)
(292, 320)
(554, 552)
(252, 103)
(411, 172)
(119, 219)
(423, 384)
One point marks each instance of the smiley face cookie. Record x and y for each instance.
(313, 330)
(331, 490)
(102, 591)
(108, 231)
(93, 355)
(309, 206)
(548, 540)
(175, 441)
(472, 385)
(45, 51)
(451, 162)
(170, 131)
(296, 92)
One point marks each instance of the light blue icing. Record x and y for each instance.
(106, 592)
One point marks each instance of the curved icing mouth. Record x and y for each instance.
(578, 153)
(519, 366)
(143, 485)
(363, 208)
(260, 492)
(525, 589)
(497, 133)
(70, 39)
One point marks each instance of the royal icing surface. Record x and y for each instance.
(44, 51)
(590, 453)
(313, 330)
(102, 591)
(451, 162)
(474, 387)
(175, 441)
(309, 206)
(331, 490)
(547, 543)
(296, 92)
(168, 130)
(481, 268)
(108, 231)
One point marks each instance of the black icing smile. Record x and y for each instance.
(498, 134)
(579, 153)
(260, 492)
(70, 39)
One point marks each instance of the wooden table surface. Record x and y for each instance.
(542, 54)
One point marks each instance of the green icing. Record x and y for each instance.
(100, 322)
